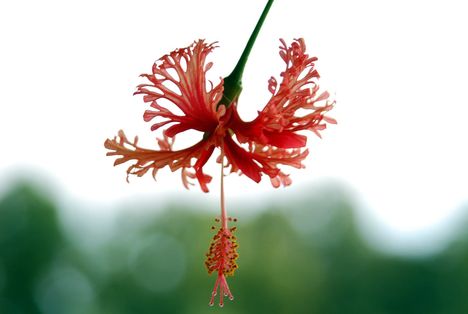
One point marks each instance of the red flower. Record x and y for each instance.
(255, 148)
(252, 148)
(182, 99)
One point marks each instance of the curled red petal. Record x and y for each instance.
(180, 78)
(146, 159)
(263, 159)
(285, 139)
(297, 104)
(203, 179)
(241, 159)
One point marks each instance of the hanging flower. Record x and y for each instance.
(256, 148)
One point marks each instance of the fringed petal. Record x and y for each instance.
(296, 104)
(261, 159)
(147, 159)
(180, 78)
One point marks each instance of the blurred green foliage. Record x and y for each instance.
(307, 258)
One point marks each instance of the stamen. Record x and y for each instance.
(222, 253)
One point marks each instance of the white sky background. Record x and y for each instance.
(398, 68)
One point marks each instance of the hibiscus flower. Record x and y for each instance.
(182, 99)
(271, 139)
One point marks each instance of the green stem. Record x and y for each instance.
(233, 82)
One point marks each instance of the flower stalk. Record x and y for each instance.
(233, 82)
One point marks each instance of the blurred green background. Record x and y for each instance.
(306, 257)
